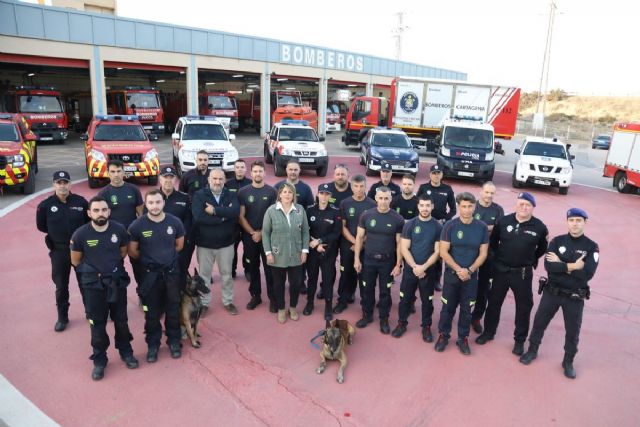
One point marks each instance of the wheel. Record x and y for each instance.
(368, 171)
(30, 186)
(93, 182)
(267, 156)
(593, 147)
(622, 185)
(563, 190)
(322, 171)
(515, 183)
(152, 180)
(362, 160)
(277, 169)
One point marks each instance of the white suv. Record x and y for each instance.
(195, 133)
(295, 139)
(545, 162)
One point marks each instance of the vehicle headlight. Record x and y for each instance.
(565, 170)
(188, 155)
(376, 155)
(150, 155)
(98, 156)
(322, 153)
(414, 156)
(232, 153)
(16, 161)
(445, 151)
(287, 152)
(489, 157)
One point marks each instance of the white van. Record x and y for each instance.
(543, 162)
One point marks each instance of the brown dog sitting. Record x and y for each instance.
(337, 334)
(191, 306)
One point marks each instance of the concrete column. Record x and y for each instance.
(265, 101)
(322, 106)
(98, 86)
(192, 87)
(369, 89)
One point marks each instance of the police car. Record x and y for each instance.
(392, 146)
(295, 139)
(543, 162)
(195, 133)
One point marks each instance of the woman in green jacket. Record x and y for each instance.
(285, 239)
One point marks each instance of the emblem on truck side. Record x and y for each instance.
(409, 102)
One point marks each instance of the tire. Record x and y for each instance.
(93, 182)
(277, 169)
(34, 164)
(30, 186)
(322, 171)
(622, 185)
(563, 190)
(514, 182)
(368, 171)
(153, 180)
(267, 156)
(362, 161)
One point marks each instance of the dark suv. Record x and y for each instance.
(393, 146)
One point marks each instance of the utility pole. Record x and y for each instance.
(544, 75)
(397, 34)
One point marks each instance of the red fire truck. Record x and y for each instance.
(140, 101)
(43, 109)
(285, 105)
(220, 105)
(623, 159)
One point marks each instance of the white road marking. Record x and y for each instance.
(18, 411)
(15, 205)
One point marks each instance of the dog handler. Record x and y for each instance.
(97, 251)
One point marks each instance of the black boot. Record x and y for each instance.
(97, 373)
(130, 361)
(441, 344)
(175, 350)
(518, 348)
(530, 355)
(384, 326)
(254, 302)
(399, 330)
(308, 309)
(152, 354)
(567, 365)
(273, 307)
(63, 319)
(427, 336)
(327, 310)
(463, 345)
(366, 319)
(340, 307)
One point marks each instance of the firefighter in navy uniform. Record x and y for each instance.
(386, 173)
(571, 261)
(59, 216)
(325, 228)
(98, 250)
(378, 235)
(518, 240)
(406, 203)
(198, 177)
(178, 204)
(444, 208)
(234, 184)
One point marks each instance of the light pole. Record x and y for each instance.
(538, 120)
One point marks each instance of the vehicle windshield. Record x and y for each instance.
(287, 99)
(8, 132)
(220, 102)
(604, 137)
(40, 104)
(467, 138)
(143, 100)
(391, 140)
(297, 134)
(333, 108)
(201, 131)
(119, 133)
(545, 150)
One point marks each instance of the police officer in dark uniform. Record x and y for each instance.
(254, 201)
(420, 243)
(381, 227)
(234, 184)
(386, 173)
(325, 227)
(196, 178)
(97, 251)
(178, 204)
(464, 244)
(59, 215)
(488, 212)
(156, 239)
(351, 209)
(444, 208)
(406, 203)
(571, 261)
(518, 240)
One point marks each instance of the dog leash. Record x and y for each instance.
(313, 344)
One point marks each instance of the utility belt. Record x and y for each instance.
(582, 293)
(380, 257)
(503, 268)
(52, 246)
(90, 278)
(154, 273)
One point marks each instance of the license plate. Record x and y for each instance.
(128, 174)
(129, 168)
(306, 160)
(462, 173)
(395, 167)
(215, 162)
(541, 182)
(46, 138)
(147, 127)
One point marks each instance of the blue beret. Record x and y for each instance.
(528, 197)
(577, 212)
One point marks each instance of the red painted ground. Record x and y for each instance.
(253, 371)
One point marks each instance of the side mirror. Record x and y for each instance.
(30, 136)
(153, 137)
(210, 106)
(175, 136)
(232, 137)
(517, 150)
(572, 157)
(133, 106)
(322, 138)
(84, 137)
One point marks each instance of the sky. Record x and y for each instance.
(498, 42)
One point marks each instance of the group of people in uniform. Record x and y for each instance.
(433, 240)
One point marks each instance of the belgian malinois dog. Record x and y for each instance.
(191, 306)
(337, 335)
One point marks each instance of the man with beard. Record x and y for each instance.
(97, 251)
(254, 200)
(59, 216)
(156, 238)
(197, 178)
(406, 203)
